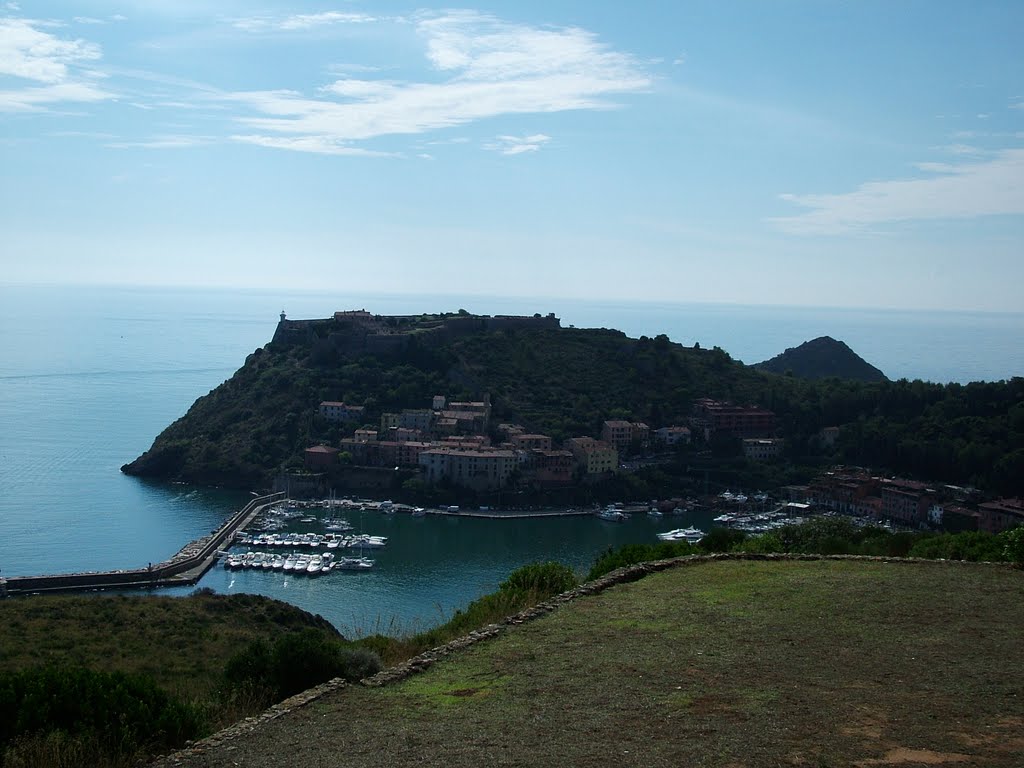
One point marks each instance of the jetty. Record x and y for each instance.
(184, 568)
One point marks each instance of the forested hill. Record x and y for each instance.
(821, 358)
(565, 382)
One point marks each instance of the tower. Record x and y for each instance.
(282, 315)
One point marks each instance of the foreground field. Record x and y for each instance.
(826, 663)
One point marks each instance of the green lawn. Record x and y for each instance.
(825, 663)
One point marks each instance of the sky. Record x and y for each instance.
(795, 152)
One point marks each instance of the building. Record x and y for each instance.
(594, 457)
(416, 418)
(366, 436)
(906, 501)
(482, 469)
(1000, 515)
(551, 468)
(531, 442)
(762, 448)
(720, 417)
(673, 435)
(622, 434)
(388, 421)
(320, 457)
(334, 411)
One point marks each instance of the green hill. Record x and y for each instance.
(821, 358)
(564, 382)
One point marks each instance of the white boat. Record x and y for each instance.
(353, 564)
(366, 540)
(316, 563)
(724, 519)
(654, 512)
(612, 514)
(690, 535)
(419, 512)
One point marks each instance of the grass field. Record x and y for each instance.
(825, 663)
(183, 644)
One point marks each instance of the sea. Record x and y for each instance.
(89, 375)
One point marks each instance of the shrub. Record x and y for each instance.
(1013, 545)
(541, 580)
(297, 662)
(631, 554)
(110, 717)
(974, 546)
(721, 540)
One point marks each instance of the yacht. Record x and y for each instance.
(354, 564)
(690, 535)
(612, 514)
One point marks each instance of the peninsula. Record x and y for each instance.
(522, 410)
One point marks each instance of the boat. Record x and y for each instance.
(353, 564)
(690, 535)
(654, 512)
(612, 514)
(316, 563)
(419, 512)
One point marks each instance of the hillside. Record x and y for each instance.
(565, 382)
(821, 358)
(725, 663)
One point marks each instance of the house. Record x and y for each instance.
(1001, 514)
(621, 434)
(673, 435)
(551, 468)
(906, 501)
(723, 418)
(320, 457)
(762, 448)
(594, 457)
(531, 442)
(335, 411)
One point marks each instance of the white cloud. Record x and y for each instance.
(38, 99)
(517, 145)
(490, 68)
(164, 142)
(32, 54)
(317, 144)
(300, 22)
(47, 61)
(955, 191)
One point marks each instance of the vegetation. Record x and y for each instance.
(822, 358)
(88, 717)
(829, 536)
(728, 663)
(566, 382)
(525, 587)
(295, 663)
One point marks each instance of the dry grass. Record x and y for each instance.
(724, 664)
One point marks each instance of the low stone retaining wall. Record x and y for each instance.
(428, 658)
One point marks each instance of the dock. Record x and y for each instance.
(183, 569)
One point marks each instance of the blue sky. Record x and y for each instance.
(865, 154)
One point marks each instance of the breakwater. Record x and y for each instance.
(184, 568)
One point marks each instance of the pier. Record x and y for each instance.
(183, 569)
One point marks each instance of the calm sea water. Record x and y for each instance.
(89, 376)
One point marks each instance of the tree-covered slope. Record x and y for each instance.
(565, 383)
(821, 358)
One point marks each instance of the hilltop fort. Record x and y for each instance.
(350, 333)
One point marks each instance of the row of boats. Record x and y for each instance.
(330, 540)
(297, 564)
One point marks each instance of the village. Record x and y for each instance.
(450, 443)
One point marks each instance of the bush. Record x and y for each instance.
(974, 546)
(541, 580)
(721, 540)
(111, 717)
(297, 662)
(1013, 545)
(631, 554)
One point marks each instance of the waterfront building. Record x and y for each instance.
(480, 468)
(320, 457)
(622, 434)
